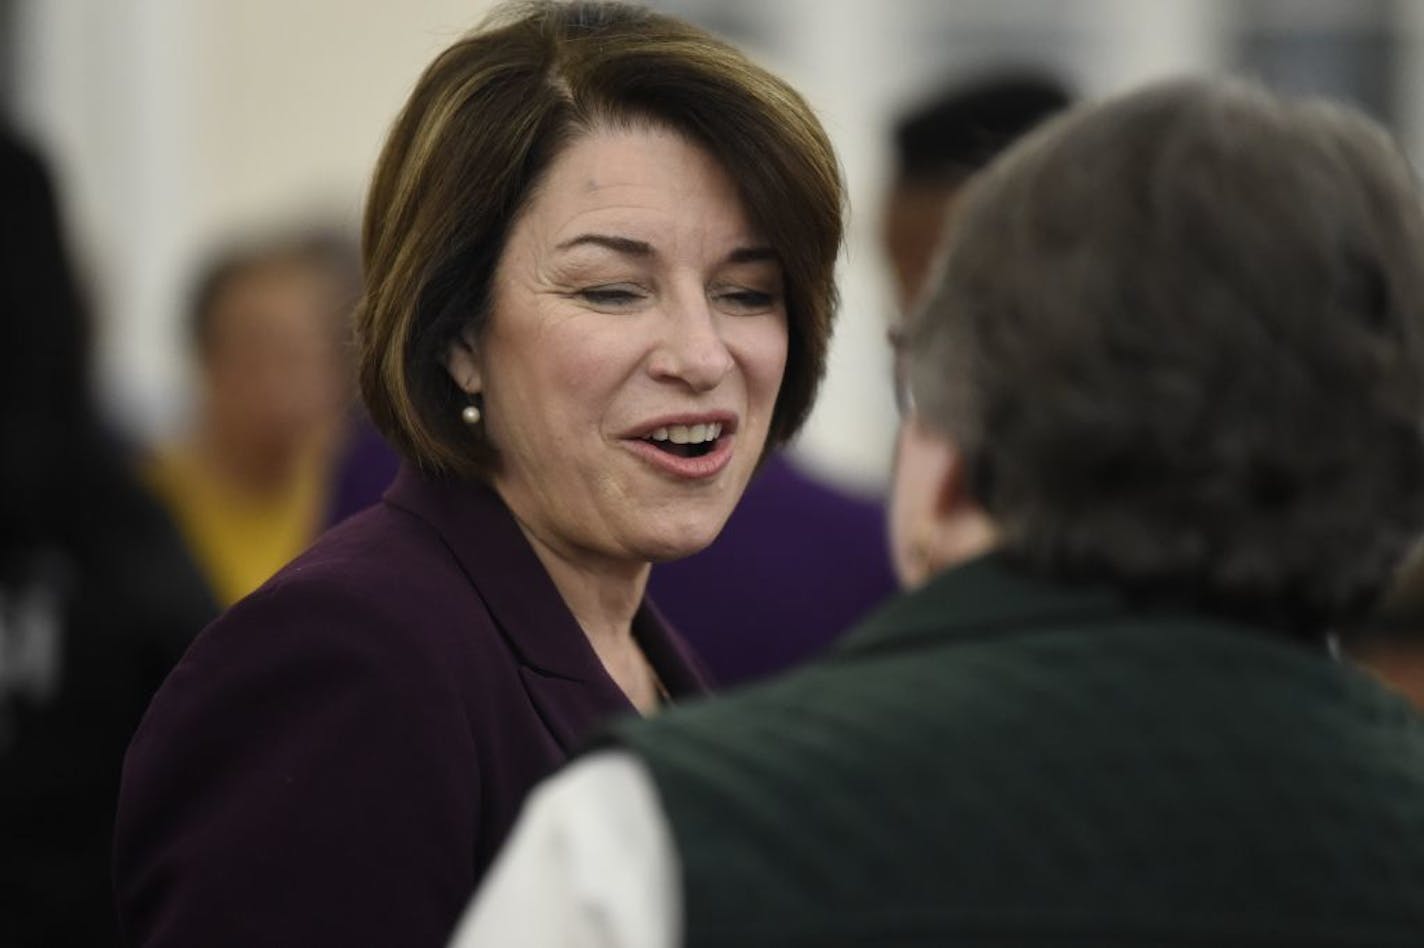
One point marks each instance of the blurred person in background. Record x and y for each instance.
(1161, 433)
(939, 145)
(364, 468)
(250, 484)
(97, 597)
(801, 561)
(599, 259)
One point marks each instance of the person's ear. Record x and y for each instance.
(959, 529)
(463, 363)
(950, 477)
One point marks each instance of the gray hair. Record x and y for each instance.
(1179, 337)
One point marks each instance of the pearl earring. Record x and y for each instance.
(470, 414)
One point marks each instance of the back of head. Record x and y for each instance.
(1178, 336)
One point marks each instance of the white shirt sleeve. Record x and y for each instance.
(590, 864)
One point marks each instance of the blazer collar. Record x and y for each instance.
(494, 554)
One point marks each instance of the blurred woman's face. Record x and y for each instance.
(634, 352)
(273, 368)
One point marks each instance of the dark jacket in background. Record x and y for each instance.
(997, 760)
(97, 597)
(337, 759)
(89, 627)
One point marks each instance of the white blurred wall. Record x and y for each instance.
(175, 122)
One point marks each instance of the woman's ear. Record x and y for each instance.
(463, 363)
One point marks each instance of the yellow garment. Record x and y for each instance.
(238, 539)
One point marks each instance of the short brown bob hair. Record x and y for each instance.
(485, 121)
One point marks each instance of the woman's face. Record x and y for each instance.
(634, 351)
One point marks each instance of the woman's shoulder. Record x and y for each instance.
(383, 543)
(381, 588)
(285, 728)
(371, 616)
(383, 558)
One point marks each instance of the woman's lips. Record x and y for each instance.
(696, 468)
(683, 424)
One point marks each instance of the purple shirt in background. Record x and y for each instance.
(365, 468)
(797, 564)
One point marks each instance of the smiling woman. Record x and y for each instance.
(633, 298)
(599, 253)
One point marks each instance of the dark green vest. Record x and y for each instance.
(995, 760)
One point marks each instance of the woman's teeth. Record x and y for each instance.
(688, 434)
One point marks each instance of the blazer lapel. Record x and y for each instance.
(681, 673)
(566, 707)
(563, 676)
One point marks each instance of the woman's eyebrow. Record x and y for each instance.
(623, 245)
(753, 255)
(642, 249)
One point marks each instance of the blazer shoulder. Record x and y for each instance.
(324, 719)
(382, 552)
(380, 588)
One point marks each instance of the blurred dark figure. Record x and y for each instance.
(939, 145)
(97, 599)
(250, 484)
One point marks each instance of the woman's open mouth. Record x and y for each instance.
(694, 452)
(686, 441)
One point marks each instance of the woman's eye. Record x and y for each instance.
(747, 301)
(611, 296)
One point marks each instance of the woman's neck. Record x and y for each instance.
(604, 595)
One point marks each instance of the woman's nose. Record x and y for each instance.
(692, 349)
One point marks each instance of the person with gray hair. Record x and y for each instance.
(1162, 435)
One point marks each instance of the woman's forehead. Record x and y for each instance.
(647, 184)
(643, 155)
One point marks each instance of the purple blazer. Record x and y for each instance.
(338, 757)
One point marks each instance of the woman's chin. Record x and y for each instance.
(675, 545)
